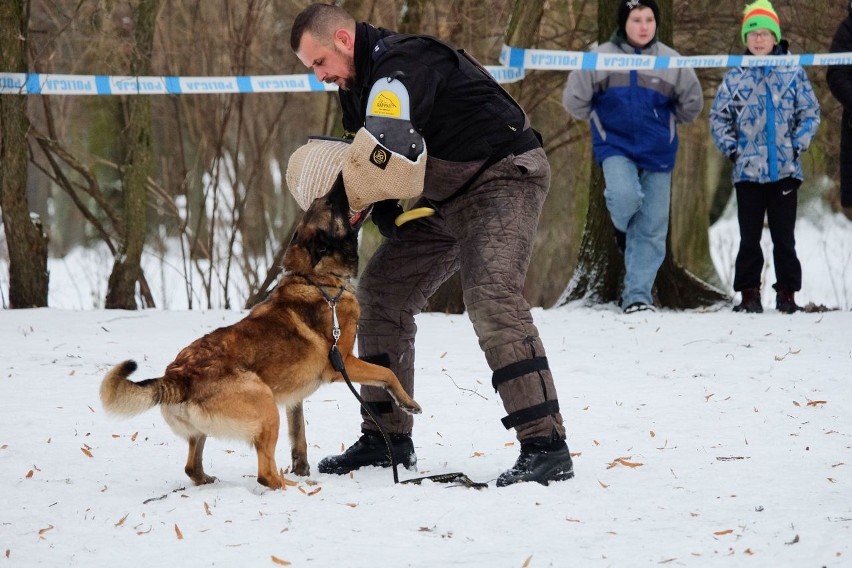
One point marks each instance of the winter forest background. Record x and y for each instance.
(179, 201)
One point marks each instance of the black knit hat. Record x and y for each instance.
(627, 6)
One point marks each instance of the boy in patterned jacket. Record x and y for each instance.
(764, 118)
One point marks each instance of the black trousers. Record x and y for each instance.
(777, 202)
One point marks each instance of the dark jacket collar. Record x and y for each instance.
(366, 37)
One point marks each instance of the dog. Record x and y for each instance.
(229, 383)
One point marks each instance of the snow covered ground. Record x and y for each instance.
(699, 439)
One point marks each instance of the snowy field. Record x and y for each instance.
(699, 439)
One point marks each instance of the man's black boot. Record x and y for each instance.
(370, 449)
(541, 463)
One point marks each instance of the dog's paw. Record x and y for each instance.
(412, 408)
(301, 468)
(273, 481)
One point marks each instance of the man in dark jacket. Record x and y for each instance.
(486, 177)
(840, 82)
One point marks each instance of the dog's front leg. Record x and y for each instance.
(365, 373)
(298, 443)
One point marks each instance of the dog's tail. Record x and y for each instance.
(121, 396)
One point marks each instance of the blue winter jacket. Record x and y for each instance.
(764, 118)
(634, 113)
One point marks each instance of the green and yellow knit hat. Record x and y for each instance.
(761, 15)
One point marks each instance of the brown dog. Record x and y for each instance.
(230, 382)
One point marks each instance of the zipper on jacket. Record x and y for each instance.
(771, 142)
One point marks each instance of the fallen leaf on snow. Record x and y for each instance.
(724, 532)
(50, 528)
(178, 533)
(315, 491)
(794, 541)
(604, 485)
(87, 452)
(279, 561)
(29, 474)
(817, 402)
(121, 520)
(526, 563)
(623, 461)
(207, 508)
(353, 505)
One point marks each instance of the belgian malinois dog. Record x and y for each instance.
(229, 383)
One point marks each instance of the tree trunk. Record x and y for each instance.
(121, 289)
(521, 32)
(600, 268)
(25, 240)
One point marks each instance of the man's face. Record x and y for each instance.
(332, 63)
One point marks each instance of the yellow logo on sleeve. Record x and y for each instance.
(386, 104)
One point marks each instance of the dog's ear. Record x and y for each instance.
(336, 197)
(338, 201)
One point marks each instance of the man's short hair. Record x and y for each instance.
(319, 20)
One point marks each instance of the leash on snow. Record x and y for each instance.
(336, 359)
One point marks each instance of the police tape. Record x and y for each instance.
(552, 60)
(51, 84)
(515, 62)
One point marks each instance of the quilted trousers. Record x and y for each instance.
(487, 234)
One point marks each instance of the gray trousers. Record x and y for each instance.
(487, 233)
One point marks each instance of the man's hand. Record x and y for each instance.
(384, 214)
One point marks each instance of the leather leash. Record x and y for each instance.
(336, 359)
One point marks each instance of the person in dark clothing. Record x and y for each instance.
(486, 178)
(839, 79)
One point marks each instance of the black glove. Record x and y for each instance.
(384, 214)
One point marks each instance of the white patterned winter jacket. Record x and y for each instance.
(765, 118)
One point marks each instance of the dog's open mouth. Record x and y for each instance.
(357, 219)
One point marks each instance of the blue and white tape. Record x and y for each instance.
(515, 63)
(50, 84)
(551, 60)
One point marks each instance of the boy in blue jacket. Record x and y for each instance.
(634, 116)
(763, 118)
